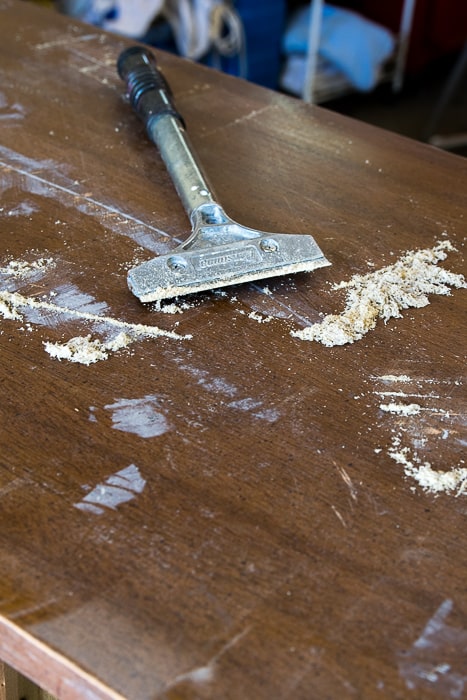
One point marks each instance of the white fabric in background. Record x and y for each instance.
(190, 20)
(132, 17)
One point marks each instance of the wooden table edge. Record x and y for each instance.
(47, 668)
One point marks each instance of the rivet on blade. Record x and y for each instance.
(269, 245)
(177, 263)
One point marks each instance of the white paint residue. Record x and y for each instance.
(217, 385)
(69, 296)
(250, 405)
(270, 415)
(259, 318)
(247, 404)
(384, 294)
(22, 209)
(410, 409)
(394, 378)
(41, 179)
(142, 417)
(119, 488)
(404, 395)
(436, 659)
(206, 673)
(11, 112)
(203, 674)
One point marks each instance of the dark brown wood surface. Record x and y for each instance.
(220, 516)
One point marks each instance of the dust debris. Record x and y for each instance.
(8, 310)
(384, 294)
(259, 318)
(22, 268)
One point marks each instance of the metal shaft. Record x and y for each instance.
(180, 160)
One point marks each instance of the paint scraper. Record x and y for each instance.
(219, 251)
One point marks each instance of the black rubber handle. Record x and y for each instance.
(148, 91)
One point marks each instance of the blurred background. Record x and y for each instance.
(399, 64)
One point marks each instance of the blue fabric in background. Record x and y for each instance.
(264, 26)
(353, 44)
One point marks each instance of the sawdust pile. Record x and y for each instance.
(85, 350)
(451, 481)
(384, 294)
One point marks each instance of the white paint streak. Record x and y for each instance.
(217, 385)
(348, 482)
(22, 209)
(404, 395)
(339, 516)
(41, 179)
(247, 404)
(270, 415)
(10, 112)
(436, 660)
(118, 488)
(143, 417)
(206, 673)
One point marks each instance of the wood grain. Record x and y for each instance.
(220, 517)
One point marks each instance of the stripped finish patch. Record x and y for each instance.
(118, 488)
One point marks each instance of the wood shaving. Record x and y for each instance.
(384, 294)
